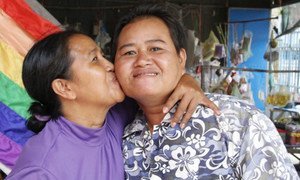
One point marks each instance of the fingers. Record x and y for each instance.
(188, 105)
(172, 100)
(202, 99)
(190, 94)
(186, 117)
(181, 110)
(206, 102)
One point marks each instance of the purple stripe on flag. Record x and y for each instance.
(9, 151)
(13, 126)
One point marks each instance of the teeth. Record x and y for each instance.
(151, 74)
(147, 74)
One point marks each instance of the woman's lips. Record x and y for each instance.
(141, 73)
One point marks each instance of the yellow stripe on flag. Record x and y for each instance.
(11, 63)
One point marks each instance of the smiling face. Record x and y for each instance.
(93, 78)
(146, 62)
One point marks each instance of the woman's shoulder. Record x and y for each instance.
(37, 147)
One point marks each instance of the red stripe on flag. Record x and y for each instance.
(31, 22)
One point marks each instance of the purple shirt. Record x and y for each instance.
(64, 150)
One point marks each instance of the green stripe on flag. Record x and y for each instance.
(14, 96)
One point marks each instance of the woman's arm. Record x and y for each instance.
(190, 95)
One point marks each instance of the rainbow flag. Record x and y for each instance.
(22, 22)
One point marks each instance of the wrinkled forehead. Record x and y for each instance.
(82, 43)
(78, 40)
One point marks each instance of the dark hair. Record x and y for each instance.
(47, 60)
(153, 10)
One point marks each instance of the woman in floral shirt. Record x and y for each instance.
(241, 143)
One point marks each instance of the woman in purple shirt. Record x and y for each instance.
(75, 111)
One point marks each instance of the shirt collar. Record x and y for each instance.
(140, 123)
(78, 133)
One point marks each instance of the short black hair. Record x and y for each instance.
(160, 11)
(47, 60)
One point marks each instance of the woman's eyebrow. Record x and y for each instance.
(148, 41)
(125, 45)
(155, 40)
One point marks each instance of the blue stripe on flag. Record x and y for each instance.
(13, 126)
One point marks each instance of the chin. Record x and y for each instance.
(120, 97)
(149, 92)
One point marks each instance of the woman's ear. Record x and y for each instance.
(182, 56)
(63, 88)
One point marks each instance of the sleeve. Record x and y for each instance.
(31, 173)
(262, 152)
(122, 114)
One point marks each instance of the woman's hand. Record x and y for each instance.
(190, 95)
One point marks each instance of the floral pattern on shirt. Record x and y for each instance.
(241, 143)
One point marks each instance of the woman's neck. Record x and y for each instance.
(86, 116)
(153, 114)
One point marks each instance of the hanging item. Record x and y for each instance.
(219, 51)
(65, 25)
(246, 45)
(273, 42)
(96, 28)
(235, 84)
(272, 54)
(240, 50)
(78, 26)
(209, 46)
(103, 37)
(219, 58)
(191, 43)
(285, 19)
(233, 88)
(235, 55)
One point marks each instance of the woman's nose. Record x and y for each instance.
(110, 66)
(142, 59)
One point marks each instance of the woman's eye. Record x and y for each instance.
(155, 49)
(129, 53)
(95, 59)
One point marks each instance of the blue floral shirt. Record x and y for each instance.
(242, 143)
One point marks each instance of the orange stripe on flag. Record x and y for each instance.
(34, 24)
(11, 63)
(13, 35)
